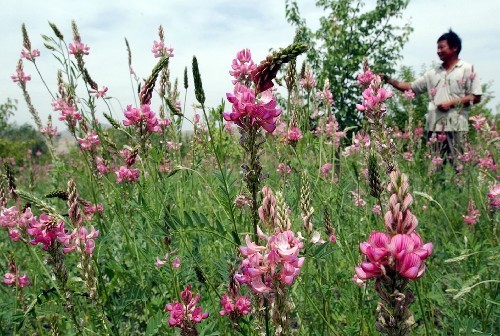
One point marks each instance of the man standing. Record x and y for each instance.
(453, 87)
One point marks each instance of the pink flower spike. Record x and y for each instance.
(78, 48)
(99, 93)
(176, 263)
(9, 279)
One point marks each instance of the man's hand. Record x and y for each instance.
(445, 107)
(385, 78)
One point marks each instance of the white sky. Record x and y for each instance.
(213, 30)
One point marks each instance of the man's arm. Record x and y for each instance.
(401, 86)
(464, 102)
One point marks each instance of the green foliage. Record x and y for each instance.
(349, 34)
(15, 141)
(7, 110)
(190, 202)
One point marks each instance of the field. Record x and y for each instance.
(269, 218)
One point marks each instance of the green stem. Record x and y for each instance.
(422, 311)
(222, 172)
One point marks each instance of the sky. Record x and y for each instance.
(214, 31)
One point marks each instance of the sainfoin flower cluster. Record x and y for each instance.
(249, 109)
(403, 253)
(240, 305)
(143, 117)
(12, 279)
(68, 111)
(276, 264)
(399, 250)
(186, 314)
(15, 221)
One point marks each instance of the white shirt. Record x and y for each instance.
(443, 86)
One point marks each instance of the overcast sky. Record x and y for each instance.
(213, 30)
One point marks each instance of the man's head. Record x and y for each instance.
(449, 44)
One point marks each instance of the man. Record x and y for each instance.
(452, 87)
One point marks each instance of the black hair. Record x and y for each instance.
(453, 40)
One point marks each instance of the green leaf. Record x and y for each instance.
(154, 323)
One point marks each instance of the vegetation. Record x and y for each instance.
(253, 225)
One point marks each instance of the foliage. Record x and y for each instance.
(349, 34)
(7, 110)
(190, 201)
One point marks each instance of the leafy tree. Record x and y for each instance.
(6, 111)
(349, 34)
(15, 140)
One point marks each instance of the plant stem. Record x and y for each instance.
(422, 311)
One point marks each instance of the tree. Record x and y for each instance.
(16, 140)
(6, 111)
(349, 34)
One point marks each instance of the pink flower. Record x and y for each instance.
(494, 196)
(487, 162)
(186, 314)
(227, 305)
(15, 221)
(78, 48)
(243, 305)
(365, 78)
(277, 260)
(437, 161)
(242, 67)
(176, 263)
(100, 93)
(142, 118)
(408, 156)
(30, 55)
(325, 169)
(49, 130)
(159, 50)
(46, 230)
(478, 121)
(11, 279)
(325, 95)
(20, 77)
(90, 142)
(308, 82)
(441, 137)
(283, 169)
(409, 95)
(164, 167)
(235, 308)
(377, 210)
(403, 253)
(101, 166)
(372, 97)
(68, 112)
(472, 215)
(294, 135)
(358, 281)
(125, 174)
(80, 239)
(418, 132)
(358, 201)
(247, 110)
